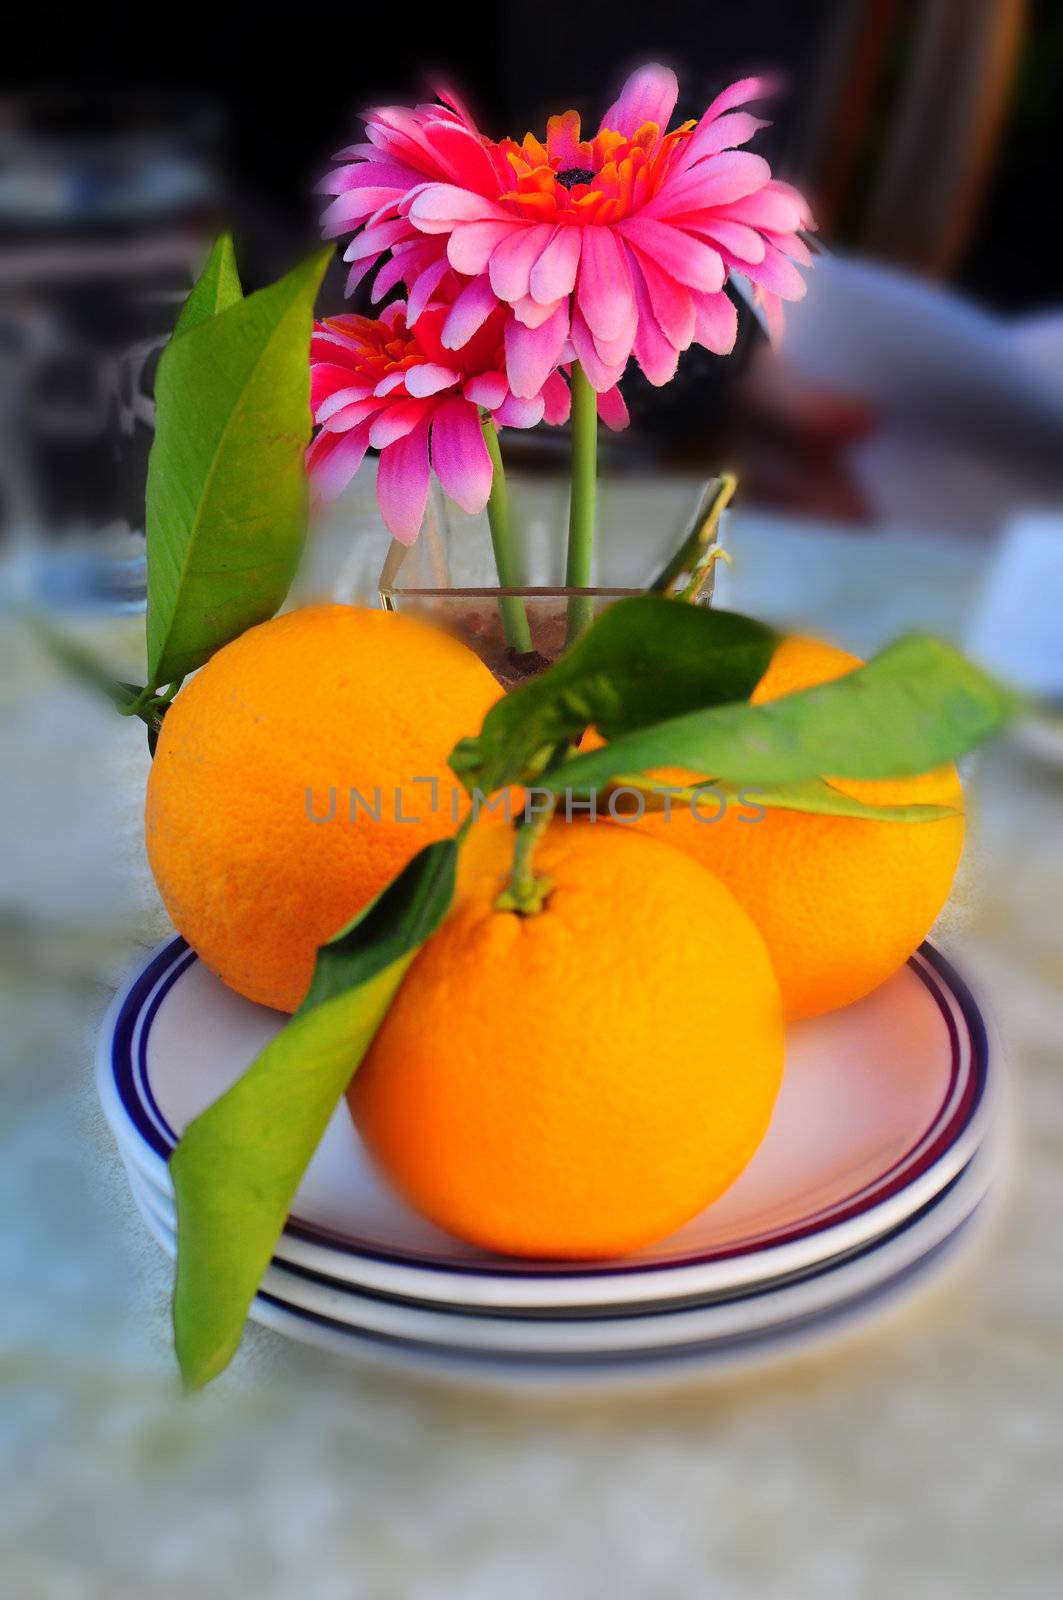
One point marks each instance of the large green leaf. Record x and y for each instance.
(916, 705)
(238, 1164)
(642, 658)
(814, 796)
(216, 289)
(226, 504)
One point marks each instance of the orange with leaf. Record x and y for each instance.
(294, 777)
(841, 901)
(563, 1082)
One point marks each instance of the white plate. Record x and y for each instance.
(881, 1106)
(754, 1310)
(715, 1359)
(714, 1362)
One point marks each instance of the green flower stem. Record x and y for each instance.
(582, 501)
(526, 893)
(514, 616)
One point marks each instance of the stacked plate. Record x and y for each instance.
(873, 1176)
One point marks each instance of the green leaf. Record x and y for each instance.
(913, 707)
(640, 658)
(226, 507)
(815, 796)
(238, 1164)
(216, 289)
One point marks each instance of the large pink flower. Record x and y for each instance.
(603, 248)
(378, 382)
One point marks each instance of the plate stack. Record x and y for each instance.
(871, 1180)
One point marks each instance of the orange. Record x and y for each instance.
(583, 1081)
(327, 699)
(841, 902)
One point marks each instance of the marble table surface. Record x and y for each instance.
(925, 1460)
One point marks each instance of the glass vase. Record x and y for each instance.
(653, 534)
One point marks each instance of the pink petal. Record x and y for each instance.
(557, 399)
(788, 192)
(735, 237)
(326, 379)
(487, 389)
(333, 459)
(469, 312)
(427, 281)
(770, 207)
(714, 134)
(338, 398)
(440, 206)
(613, 410)
(604, 290)
(389, 383)
(554, 274)
(716, 182)
(685, 259)
(368, 175)
(771, 315)
(397, 421)
(777, 274)
(461, 154)
(351, 415)
(740, 93)
(519, 413)
(671, 302)
(533, 353)
(403, 133)
(614, 352)
(716, 323)
(356, 274)
(470, 246)
(792, 245)
(531, 314)
(374, 241)
(357, 152)
(330, 342)
(655, 355)
(599, 374)
(402, 483)
(352, 207)
(459, 455)
(512, 261)
(649, 95)
(390, 274)
(450, 98)
(430, 379)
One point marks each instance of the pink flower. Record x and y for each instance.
(378, 382)
(403, 150)
(616, 245)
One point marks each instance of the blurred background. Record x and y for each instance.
(926, 388)
(901, 462)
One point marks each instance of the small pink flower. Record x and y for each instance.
(605, 247)
(378, 382)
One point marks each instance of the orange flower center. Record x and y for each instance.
(599, 180)
(381, 349)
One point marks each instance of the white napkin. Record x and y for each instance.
(1017, 631)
